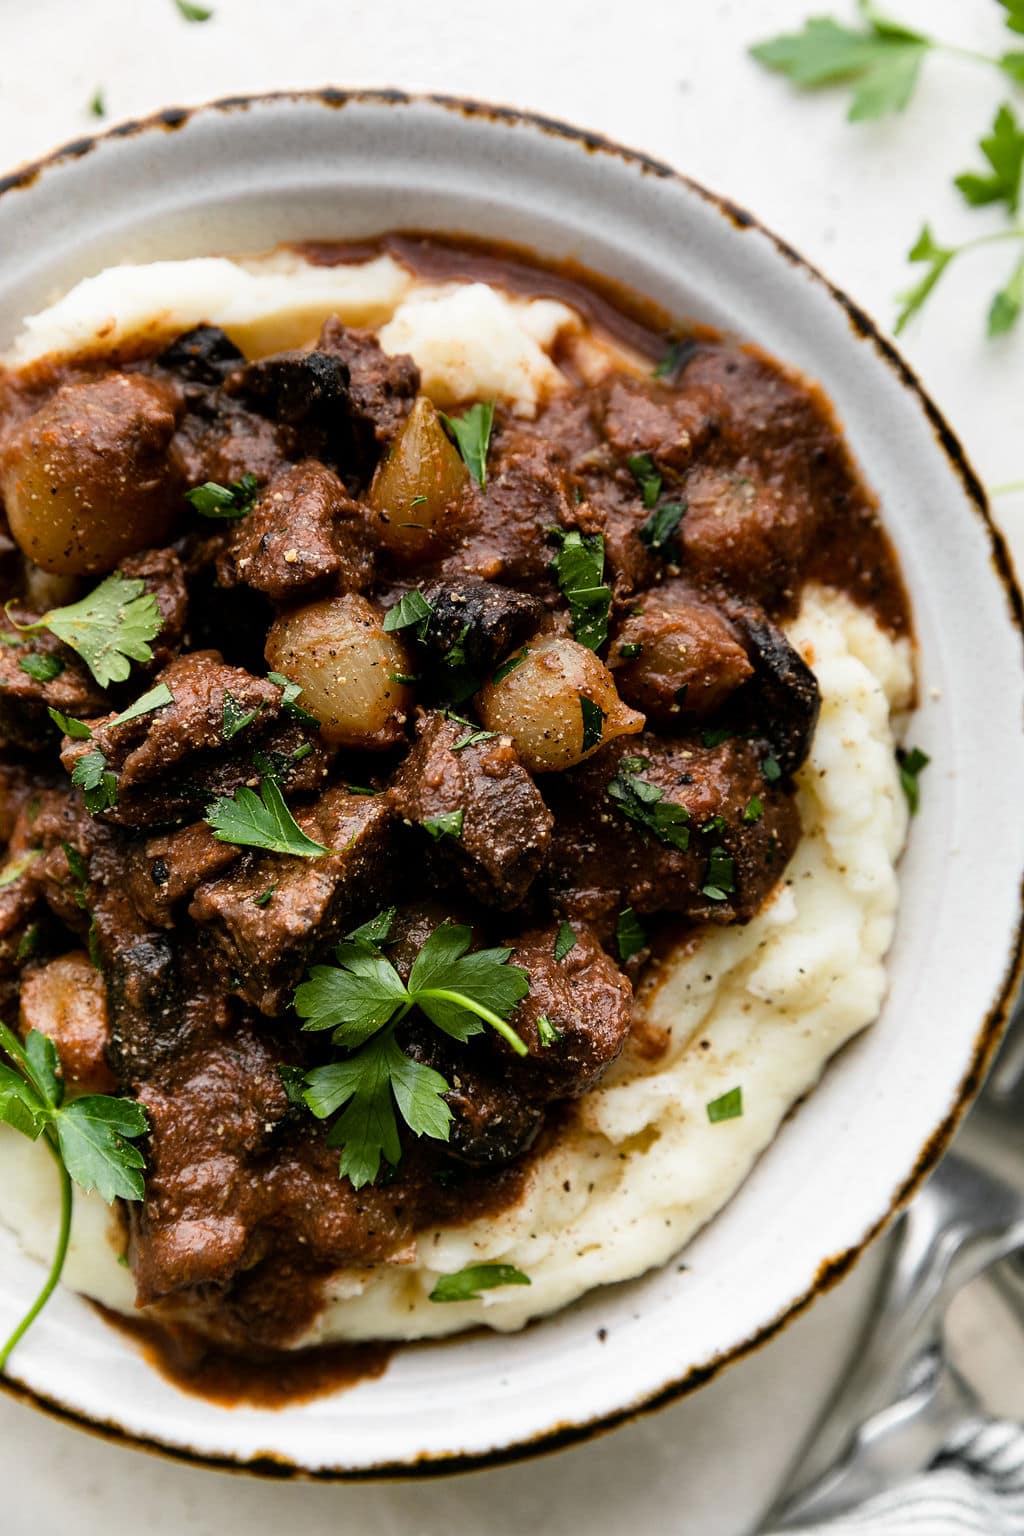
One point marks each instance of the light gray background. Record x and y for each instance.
(670, 77)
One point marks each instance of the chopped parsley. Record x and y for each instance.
(98, 784)
(912, 764)
(97, 103)
(630, 938)
(157, 698)
(265, 897)
(771, 770)
(192, 12)
(76, 729)
(448, 825)
(754, 809)
(260, 821)
(289, 696)
(411, 609)
(642, 468)
(225, 501)
(235, 717)
(645, 803)
(629, 650)
(594, 718)
(729, 1106)
(472, 434)
(110, 628)
(579, 568)
(720, 876)
(547, 1034)
(362, 1000)
(660, 530)
(675, 359)
(565, 940)
(469, 1282)
(42, 669)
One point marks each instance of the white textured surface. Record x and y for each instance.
(670, 78)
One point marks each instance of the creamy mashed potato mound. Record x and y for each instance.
(639, 1169)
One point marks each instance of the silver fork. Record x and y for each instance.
(902, 1398)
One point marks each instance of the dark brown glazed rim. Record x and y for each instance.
(831, 1270)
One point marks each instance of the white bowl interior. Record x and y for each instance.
(245, 178)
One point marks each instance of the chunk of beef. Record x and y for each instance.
(165, 869)
(219, 439)
(747, 533)
(602, 859)
(269, 939)
(782, 701)
(303, 533)
(382, 388)
(19, 909)
(677, 658)
(203, 355)
(173, 760)
(472, 625)
(18, 783)
(66, 1000)
(164, 576)
(25, 699)
(505, 831)
(644, 416)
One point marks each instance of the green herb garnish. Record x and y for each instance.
(468, 1283)
(720, 876)
(771, 770)
(362, 1000)
(448, 825)
(97, 103)
(157, 698)
(90, 1140)
(630, 938)
(660, 530)
(260, 821)
(290, 694)
(642, 468)
(192, 12)
(109, 629)
(629, 650)
(547, 1034)
(42, 669)
(754, 809)
(411, 609)
(510, 664)
(728, 1107)
(17, 867)
(76, 729)
(594, 718)
(225, 501)
(912, 764)
(579, 568)
(565, 940)
(645, 803)
(1004, 151)
(881, 62)
(235, 717)
(97, 783)
(472, 434)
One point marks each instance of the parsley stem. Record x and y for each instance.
(494, 1019)
(59, 1256)
(1010, 489)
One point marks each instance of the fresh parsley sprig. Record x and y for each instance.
(466, 1284)
(225, 501)
(472, 434)
(90, 1139)
(261, 820)
(362, 1000)
(644, 803)
(1004, 310)
(110, 628)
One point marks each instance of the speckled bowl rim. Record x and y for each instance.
(996, 1018)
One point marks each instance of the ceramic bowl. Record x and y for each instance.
(242, 175)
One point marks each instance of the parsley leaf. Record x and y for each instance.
(660, 530)
(1004, 151)
(629, 935)
(76, 729)
(225, 501)
(912, 764)
(42, 669)
(110, 628)
(192, 12)
(565, 940)
(579, 568)
(729, 1106)
(594, 718)
(675, 359)
(411, 609)
(645, 803)
(89, 1138)
(472, 434)
(937, 258)
(882, 62)
(97, 104)
(720, 877)
(448, 825)
(1014, 17)
(646, 476)
(157, 698)
(260, 821)
(467, 1284)
(1004, 311)
(95, 780)
(17, 867)
(754, 809)
(234, 718)
(291, 692)
(547, 1034)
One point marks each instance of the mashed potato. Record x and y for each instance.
(761, 1008)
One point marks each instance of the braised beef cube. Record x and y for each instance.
(203, 355)
(381, 388)
(493, 1120)
(303, 533)
(782, 701)
(574, 1020)
(472, 626)
(272, 912)
(218, 439)
(670, 826)
(38, 672)
(308, 394)
(641, 417)
(748, 533)
(164, 870)
(164, 576)
(677, 658)
(66, 1000)
(19, 781)
(490, 826)
(145, 1005)
(19, 910)
(171, 761)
